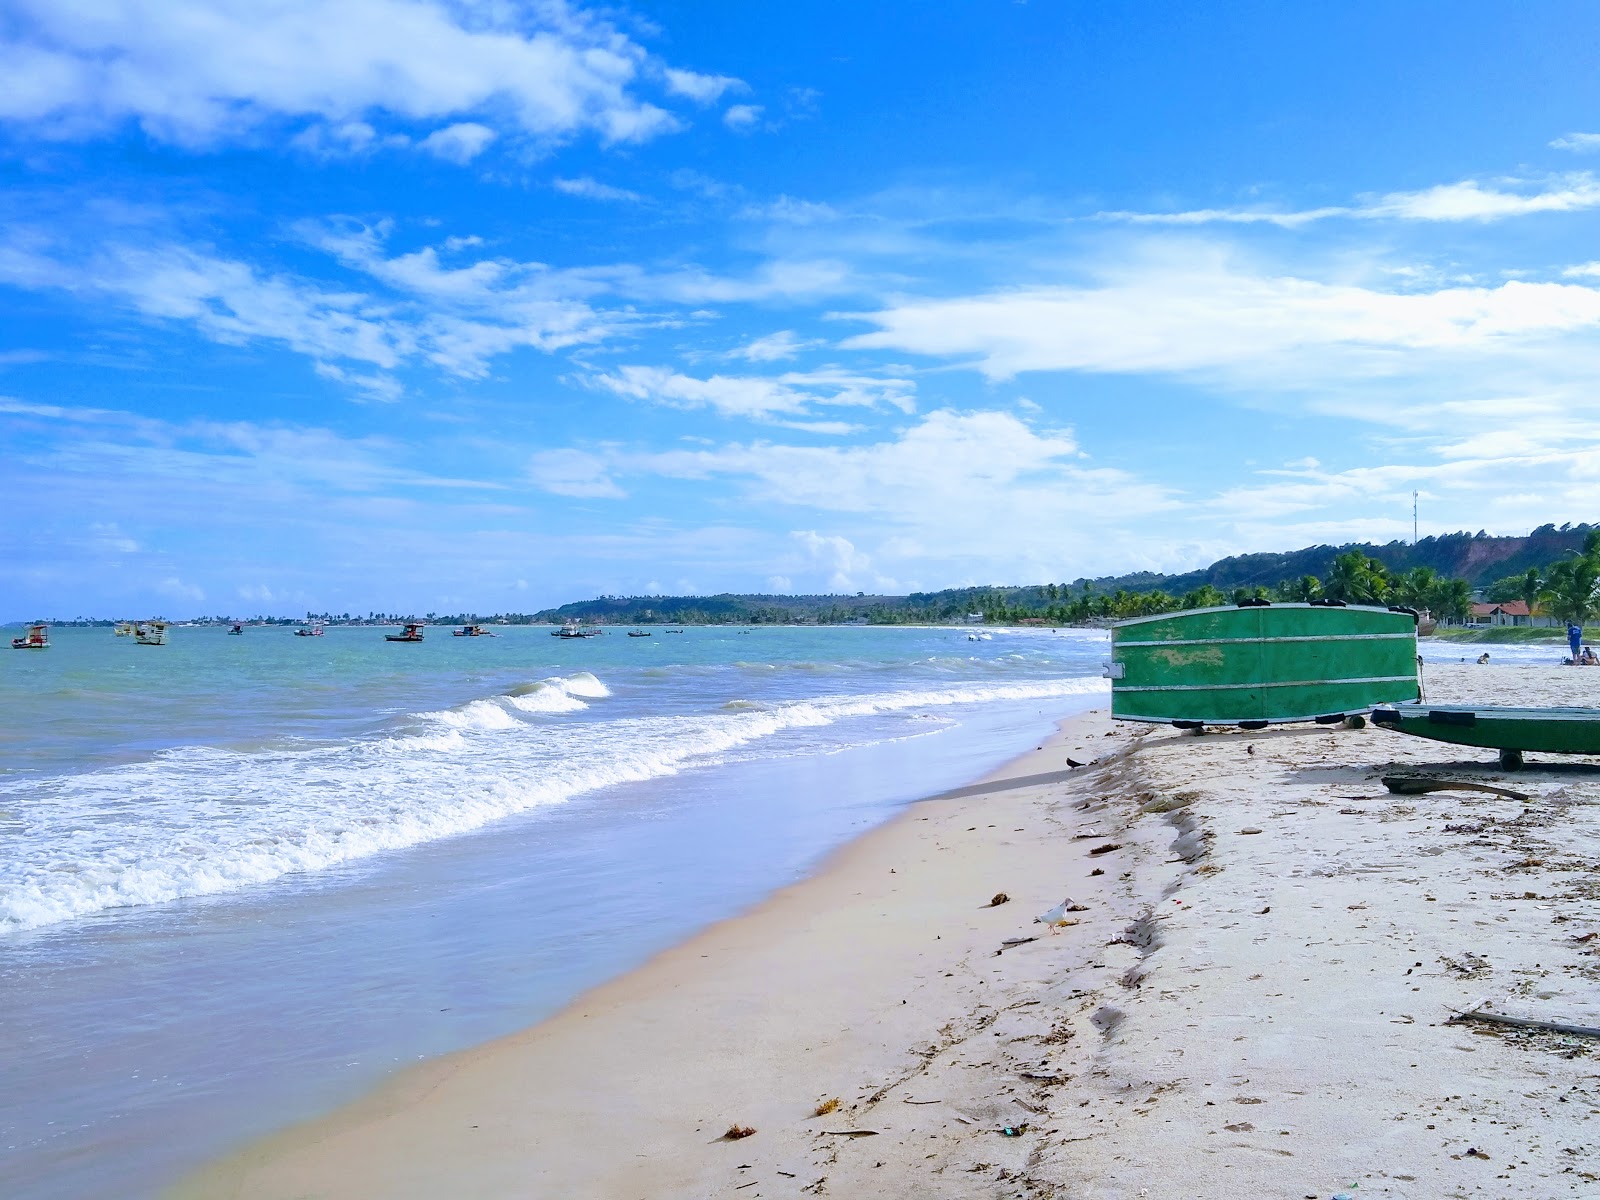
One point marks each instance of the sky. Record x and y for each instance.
(489, 305)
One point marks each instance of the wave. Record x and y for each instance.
(207, 821)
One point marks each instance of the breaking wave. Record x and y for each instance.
(203, 821)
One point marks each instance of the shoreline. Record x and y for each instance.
(1230, 1010)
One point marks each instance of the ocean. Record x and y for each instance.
(244, 878)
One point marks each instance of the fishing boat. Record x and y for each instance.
(309, 631)
(1257, 664)
(237, 628)
(411, 633)
(573, 630)
(123, 629)
(37, 638)
(473, 631)
(638, 633)
(1511, 731)
(150, 633)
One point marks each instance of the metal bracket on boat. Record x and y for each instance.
(1115, 670)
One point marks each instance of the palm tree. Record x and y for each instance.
(1204, 596)
(1357, 579)
(1532, 585)
(1570, 590)
(1416, 587)
(1450, 599)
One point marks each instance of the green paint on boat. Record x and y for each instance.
(1550, 730)
(1267, 663)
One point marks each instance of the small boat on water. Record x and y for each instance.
(309, 631)
(411, 633)
(124, 629)
(237, 628)
(37, 638)
(473, 631)
(573, 630)
(1509, 730)
(150, 633)
(638, 633)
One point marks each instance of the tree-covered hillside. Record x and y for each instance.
(1437, 573)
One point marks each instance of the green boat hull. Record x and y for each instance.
(1262, 664)
(1546, 730)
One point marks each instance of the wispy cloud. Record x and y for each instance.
(570, 472)
(459, 143)
(1468, 200)
(775, 347)
(758, 397)
(702, 89)
(1578, 143)
(593, 189)
(742, 118)
(213, 71)
(1191, 308)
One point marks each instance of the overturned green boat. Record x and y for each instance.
(1511, 731)
(1259, 664)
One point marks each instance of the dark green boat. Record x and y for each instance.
(1508, 730)
(1254, 665)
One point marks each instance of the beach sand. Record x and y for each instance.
(1253, 1001)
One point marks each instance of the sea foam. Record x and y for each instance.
(203, 821)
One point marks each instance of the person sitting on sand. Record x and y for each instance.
(1483, 658)
(1589, 659)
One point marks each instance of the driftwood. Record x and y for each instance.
(1414, 785)
(1473, 1014)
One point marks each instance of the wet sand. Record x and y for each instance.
(1254, 999)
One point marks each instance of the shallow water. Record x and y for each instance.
(243, 878)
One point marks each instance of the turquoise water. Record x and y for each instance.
(245, 877)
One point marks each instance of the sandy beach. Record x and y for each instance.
(1253, 998)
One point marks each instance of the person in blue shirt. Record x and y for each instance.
(1574, 638)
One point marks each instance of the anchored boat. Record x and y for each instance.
(37, 638)
(1258, 664)
(411, 633)
(1511, 731)
(150, 633)
(473, 631)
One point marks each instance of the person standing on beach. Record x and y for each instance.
(1574, 638)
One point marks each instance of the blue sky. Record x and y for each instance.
(415, 305)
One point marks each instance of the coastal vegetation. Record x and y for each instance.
(1556, 570)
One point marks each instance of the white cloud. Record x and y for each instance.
(108, 536)
(964, 492)
(1468, 200)
(775, 347)
(836, 556)
(210, 71)
(790, 211)
(593, 189)
(177, 589)
(1578, 143)
(456, 318)
(780, 585)
(702, 89)
(573, 473)
(459, 143)
(741, 118)
(760, 397)
(345, 139)
(1190, 309)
